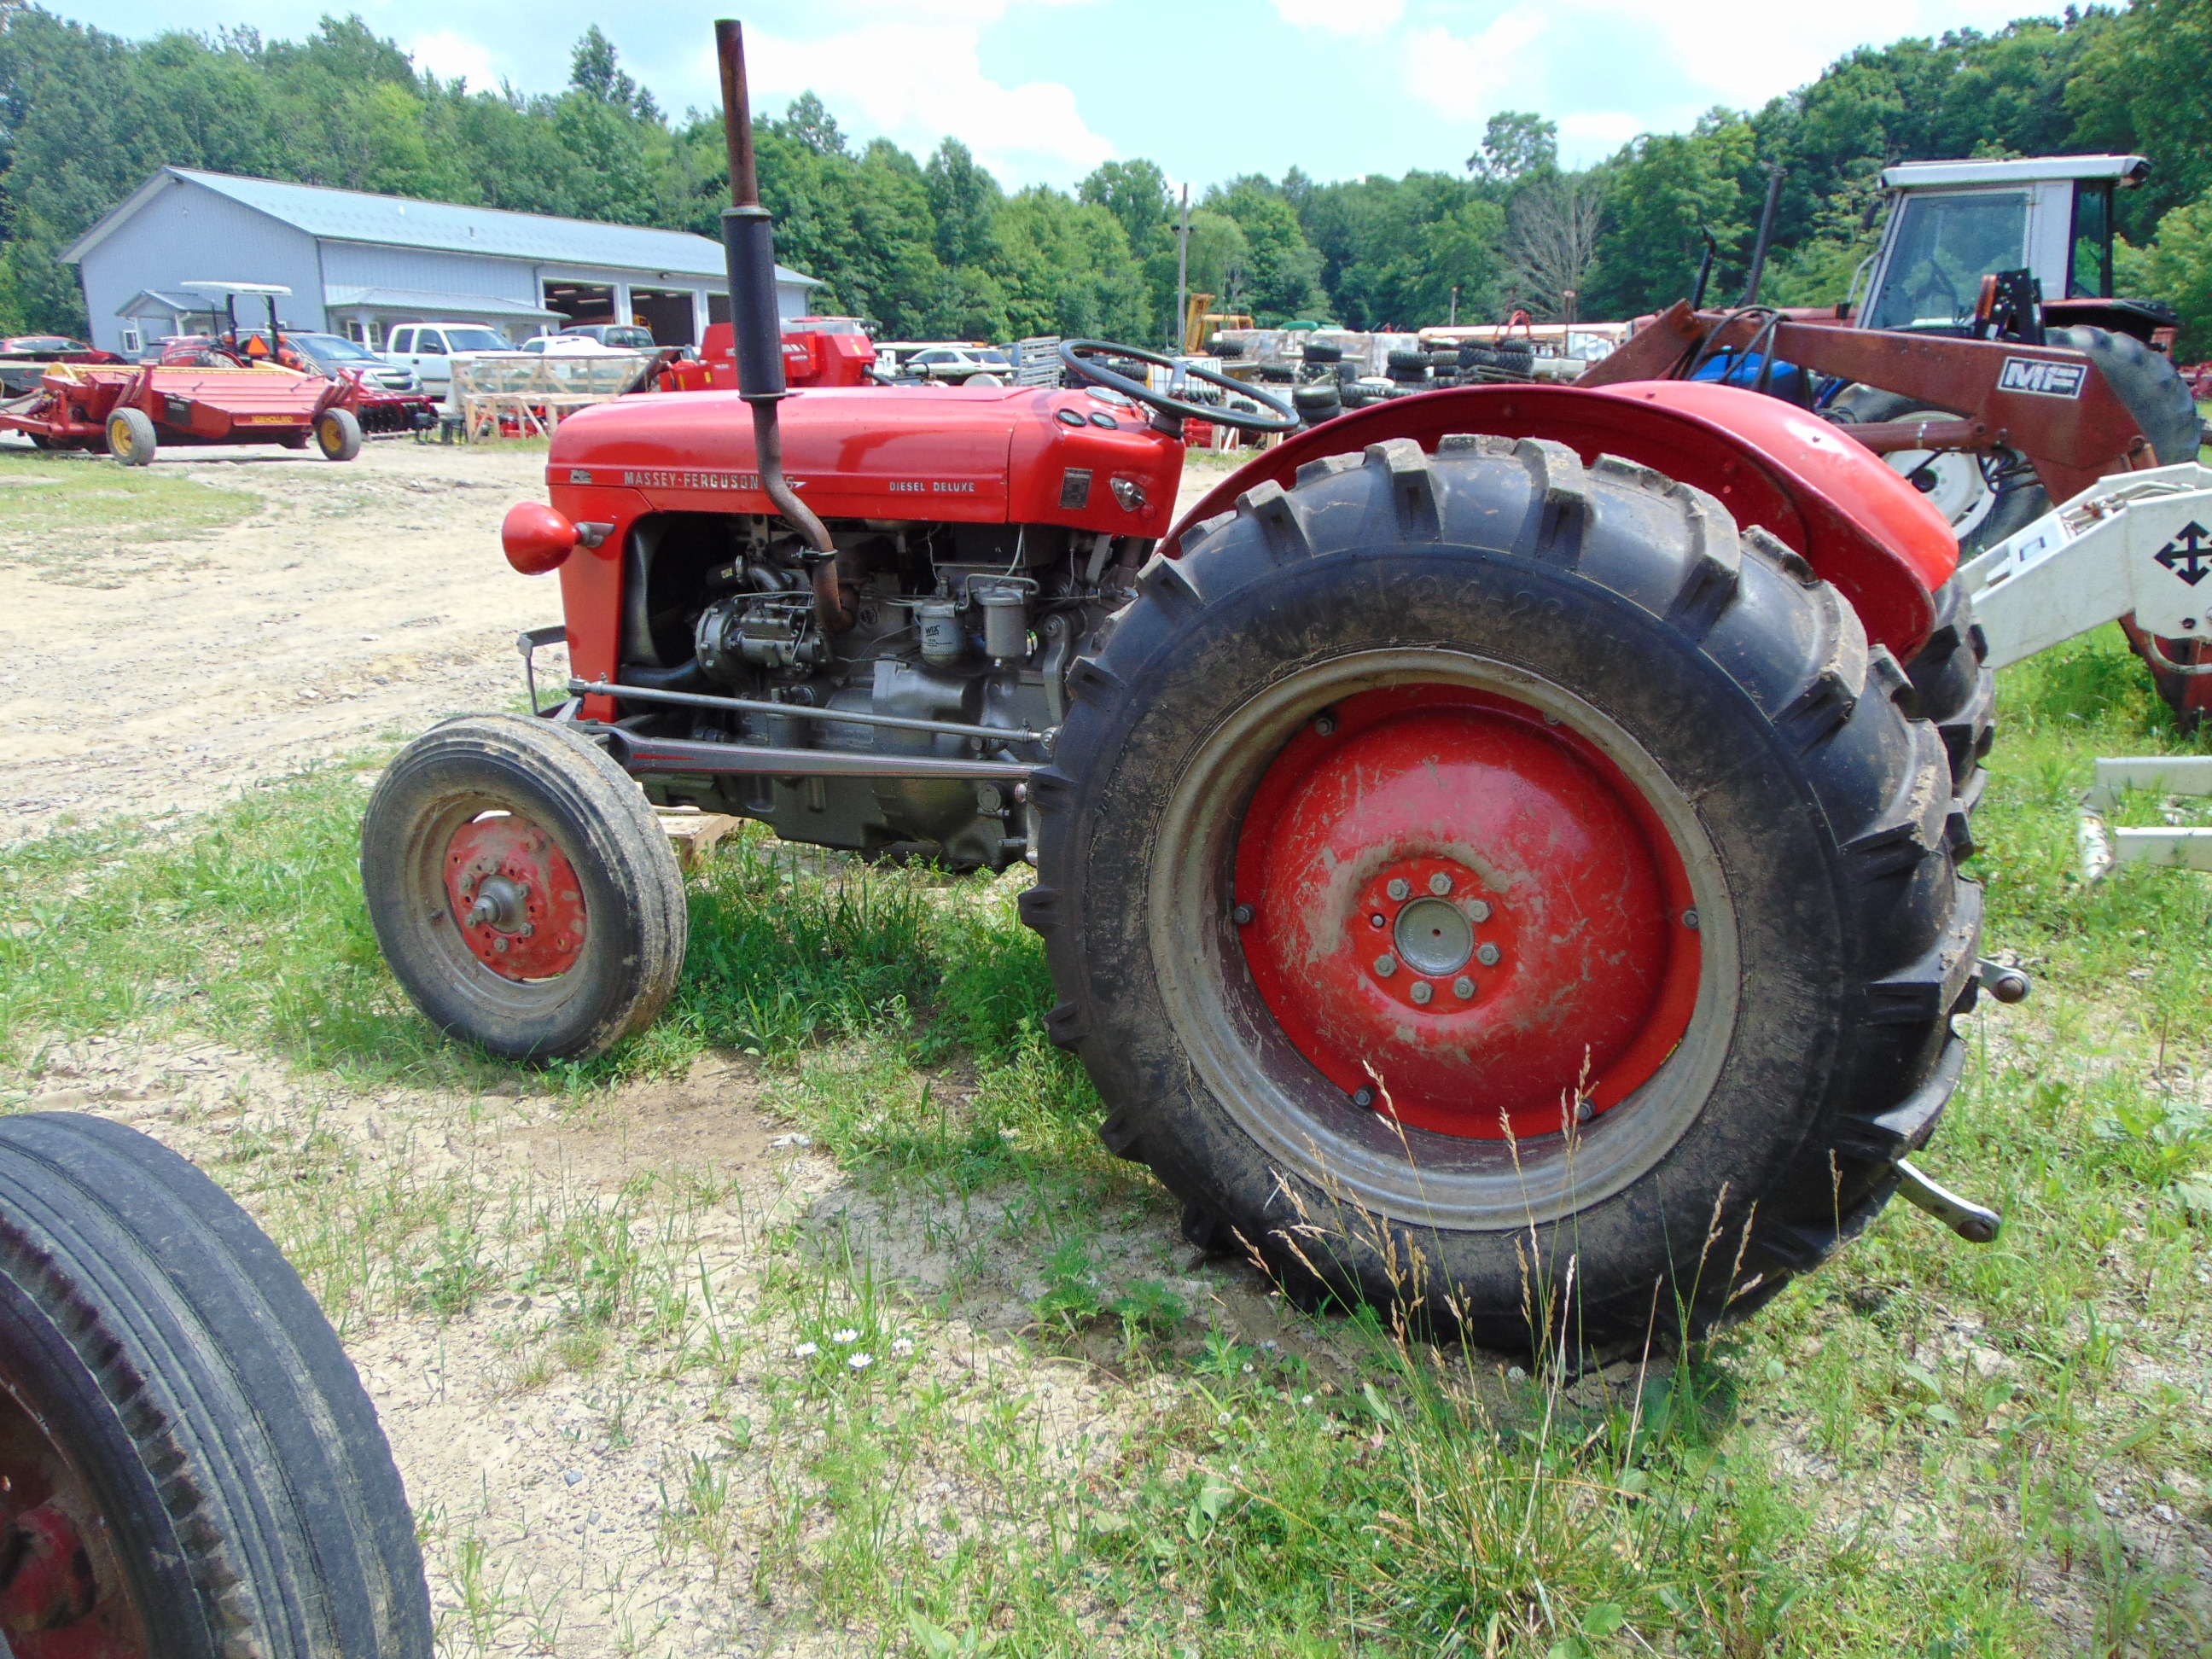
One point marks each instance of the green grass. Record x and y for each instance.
(74, 516)
(1923, 1448)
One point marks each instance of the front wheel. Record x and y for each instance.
(129, 433)
(188, 1465)
(1492, 888)
(522, 889)
(337, 435)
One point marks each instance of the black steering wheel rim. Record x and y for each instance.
(1083, 367)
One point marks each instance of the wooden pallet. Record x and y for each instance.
(694, 834)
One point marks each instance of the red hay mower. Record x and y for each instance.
(223, 395)
(1499, 856)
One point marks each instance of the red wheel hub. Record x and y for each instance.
(515, 897)
(1466, 913)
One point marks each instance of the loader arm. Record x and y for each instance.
(2051, 403)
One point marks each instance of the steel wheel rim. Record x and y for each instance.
(1240, 1054)
(431, 909)
(1960, 492)
(63, 1516)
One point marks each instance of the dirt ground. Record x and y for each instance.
(362, 600)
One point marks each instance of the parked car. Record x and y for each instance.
(429, 348)
(332, 352)
(957, 364)
(622, 336)
(24, 357)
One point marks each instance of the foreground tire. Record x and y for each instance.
(522, 889)
(192, 1467)
(337, 435)
(130, 435)
(1439, 798)
(1958, 695)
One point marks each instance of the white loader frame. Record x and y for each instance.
(2140, 543)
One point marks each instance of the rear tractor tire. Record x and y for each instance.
(337, 435)
(1496, 890)
(189, 1466)
(130, 437)
(522, 889)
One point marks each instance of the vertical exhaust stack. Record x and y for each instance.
(749, 249)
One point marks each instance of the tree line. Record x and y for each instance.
(937, 248)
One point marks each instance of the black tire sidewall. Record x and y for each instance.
(1755, 800)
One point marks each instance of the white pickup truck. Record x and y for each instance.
(428, 348)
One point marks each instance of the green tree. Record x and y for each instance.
(2177, 267)
(1515, 143)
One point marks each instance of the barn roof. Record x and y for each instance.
(354, 215)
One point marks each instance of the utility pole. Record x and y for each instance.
(1454, 307)
(1183, 277)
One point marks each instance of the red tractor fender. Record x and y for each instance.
(1772, 465)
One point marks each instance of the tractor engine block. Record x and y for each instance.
(964, 624)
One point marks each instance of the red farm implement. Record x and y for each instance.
(225, 396)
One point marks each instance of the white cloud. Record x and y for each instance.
(1337, 17)
(1462, 77)
(1588, 135)
(919, 77)
(451, 56)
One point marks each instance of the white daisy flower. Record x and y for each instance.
(806, 1351)
(848, 1334)
(902, 1345)
(860, 1362)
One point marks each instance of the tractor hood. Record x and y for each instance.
(989, 455)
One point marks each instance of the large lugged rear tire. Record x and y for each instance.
(192, 1468)
(522, 889)
(1441, 796)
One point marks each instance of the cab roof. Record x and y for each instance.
(2033, 169)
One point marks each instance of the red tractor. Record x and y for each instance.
(1498, 855)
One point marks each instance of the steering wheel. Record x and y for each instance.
(1074, 358)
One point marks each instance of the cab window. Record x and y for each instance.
(434, 343)
(1945, 245)
(403, 341)
(2089, 255)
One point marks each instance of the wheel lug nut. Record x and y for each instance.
(1362, 1097)
(1386, 965)
(1690, 920)
(1478, 911)
(1243, 915)
(1326, 725)
(1422, 992)
(1584, 1111)
(1399, 888)
(1487, 956)
(1378, 920)
(500, 944)
(1440, 884)
(1464, 987)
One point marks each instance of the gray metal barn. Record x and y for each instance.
(357, 264)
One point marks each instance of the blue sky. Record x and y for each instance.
(1043, 90)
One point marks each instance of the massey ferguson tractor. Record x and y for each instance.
(1498, 854)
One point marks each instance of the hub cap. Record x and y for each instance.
(1456, 908)
(1343, 1075)
(515, 897)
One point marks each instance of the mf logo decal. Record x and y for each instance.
(2189, 554)
(2044, 379)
